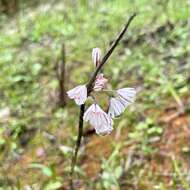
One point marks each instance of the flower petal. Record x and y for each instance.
(104, 129)
(128, 94)
(124, 97)
(79, 94)
(115, 107)
(99, 119)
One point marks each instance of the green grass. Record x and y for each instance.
(156, 61)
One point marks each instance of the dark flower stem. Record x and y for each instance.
(89, 90)
(78, 142)
(108, 54)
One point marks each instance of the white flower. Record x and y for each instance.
(96, 54)
(100, 120)
(115, 107)
(124, 97)
(100, 82)
(79, 94)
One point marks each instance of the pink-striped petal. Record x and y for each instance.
(79, 94)
(118, 104)
(100, 120)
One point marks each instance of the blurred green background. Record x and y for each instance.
(150, 145)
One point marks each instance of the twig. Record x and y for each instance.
(63, 96)
(60, 70)
(128, 163)
(89, 90)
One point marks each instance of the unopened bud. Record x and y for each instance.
(96, 54)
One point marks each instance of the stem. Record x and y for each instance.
(62, 95)
(89, 90)
(80, 133)
(109, 52)
(60, 72)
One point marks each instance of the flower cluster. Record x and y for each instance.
(99, 119)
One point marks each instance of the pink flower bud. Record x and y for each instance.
(96, 54)
(100, 82)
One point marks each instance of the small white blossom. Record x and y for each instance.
(100, 82)
(99, 119)
(79, 94)
(124, 97)
(96, 54)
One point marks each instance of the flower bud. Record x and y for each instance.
(100, 82)
(96, 54)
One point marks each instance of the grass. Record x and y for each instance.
(153, 56)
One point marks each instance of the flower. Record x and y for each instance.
(96, 54)
(79, 94)
(124, 97)
(99, 119)
(115, 107)
(100, 82)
